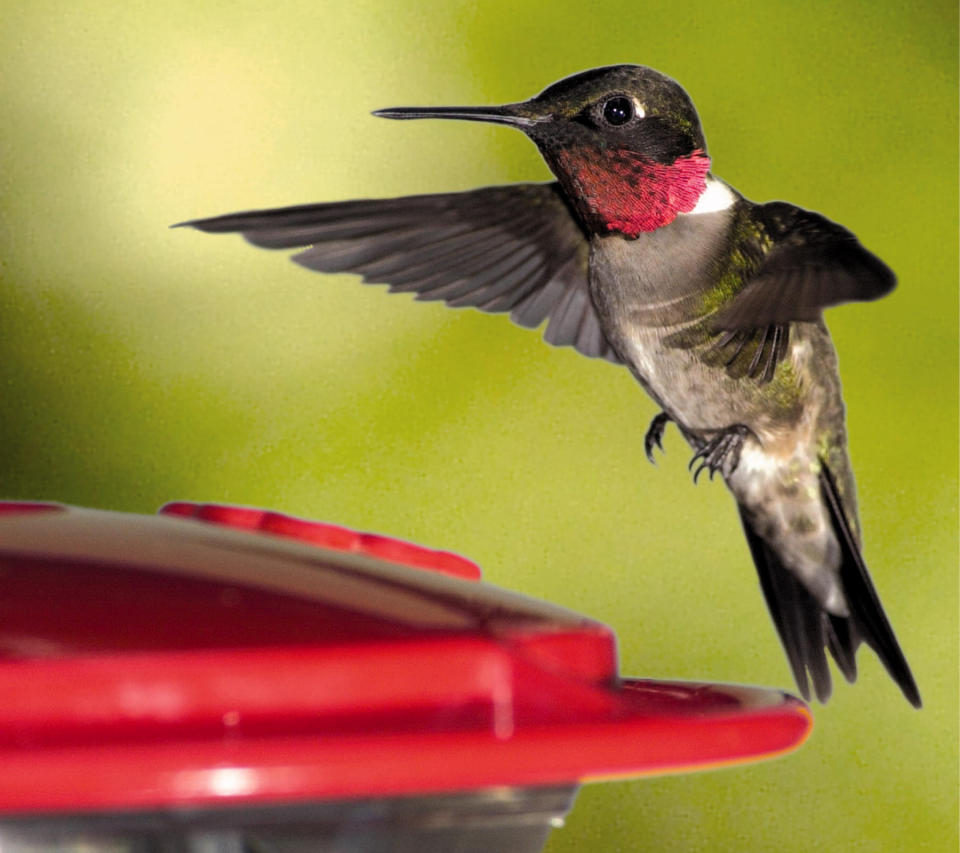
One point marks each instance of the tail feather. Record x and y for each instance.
(866, 612)
(807, 631)
(843, 641)
(796, 616)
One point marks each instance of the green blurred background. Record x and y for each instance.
(141, 364)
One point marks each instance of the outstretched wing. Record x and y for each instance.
(514, 249)
(809, 264)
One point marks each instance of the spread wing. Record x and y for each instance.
(810, 264)
(513, 249)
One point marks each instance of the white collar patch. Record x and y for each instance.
(717, 196)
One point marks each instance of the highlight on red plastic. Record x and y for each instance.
(325, 535)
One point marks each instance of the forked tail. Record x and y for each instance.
(807, 631)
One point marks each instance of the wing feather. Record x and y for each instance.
(515, 248)
(809, 264)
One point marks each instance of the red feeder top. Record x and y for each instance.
(218, 654)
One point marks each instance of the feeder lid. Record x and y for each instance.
(214, 654)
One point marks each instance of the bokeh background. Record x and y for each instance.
(139, 364)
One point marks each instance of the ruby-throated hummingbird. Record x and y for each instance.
(640, 255)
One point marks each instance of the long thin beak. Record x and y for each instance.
(515, 115)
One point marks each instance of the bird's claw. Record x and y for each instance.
(654, 436)
(722, 452)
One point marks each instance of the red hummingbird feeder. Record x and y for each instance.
(230, 679)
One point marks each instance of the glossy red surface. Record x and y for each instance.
(151, 661)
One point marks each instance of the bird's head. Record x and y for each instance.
(624, 141)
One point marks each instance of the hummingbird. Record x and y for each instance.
(638, 254)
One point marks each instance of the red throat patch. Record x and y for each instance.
(630, 194)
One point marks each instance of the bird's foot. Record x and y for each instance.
(722, 452)
(654, 436)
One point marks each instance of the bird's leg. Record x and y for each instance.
(654, 434)
(722, 452)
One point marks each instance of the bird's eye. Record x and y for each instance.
(618, 111)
